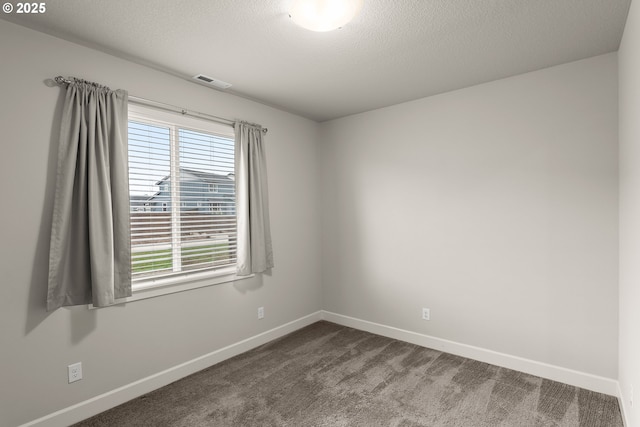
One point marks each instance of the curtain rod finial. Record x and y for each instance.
(61, 80)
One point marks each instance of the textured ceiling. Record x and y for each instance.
(393, 51)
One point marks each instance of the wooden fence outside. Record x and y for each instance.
(155, 227)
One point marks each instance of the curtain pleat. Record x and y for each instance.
(254, 248)
(90, 251)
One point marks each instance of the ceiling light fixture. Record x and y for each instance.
(324, 15)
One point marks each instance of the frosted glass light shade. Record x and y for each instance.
(324, 15)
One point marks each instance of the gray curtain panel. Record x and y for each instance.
(254, 251)
(90, 252)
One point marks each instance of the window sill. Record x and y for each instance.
(169, 285)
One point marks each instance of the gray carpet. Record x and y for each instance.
(330, 375)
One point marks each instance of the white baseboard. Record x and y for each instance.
(623, 407)
(568, 376)
(110, 399)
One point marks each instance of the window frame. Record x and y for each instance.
(157, 286)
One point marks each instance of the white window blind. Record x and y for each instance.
(179, 225)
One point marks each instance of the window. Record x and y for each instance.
(183, 231)
(216, 208)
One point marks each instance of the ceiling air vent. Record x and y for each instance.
(212, 82)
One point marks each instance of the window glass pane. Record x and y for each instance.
(206, 152)
(207, 186)
(149, 174)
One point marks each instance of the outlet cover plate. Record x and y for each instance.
(75, 372)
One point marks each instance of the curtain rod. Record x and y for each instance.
(143, 101)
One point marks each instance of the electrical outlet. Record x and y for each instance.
(426, 314)
(75, 372)
(260, 312)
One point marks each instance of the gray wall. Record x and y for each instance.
(495, 206)
(629, 93)
(122, 344)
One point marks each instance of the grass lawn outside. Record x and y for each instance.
(161, 259)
